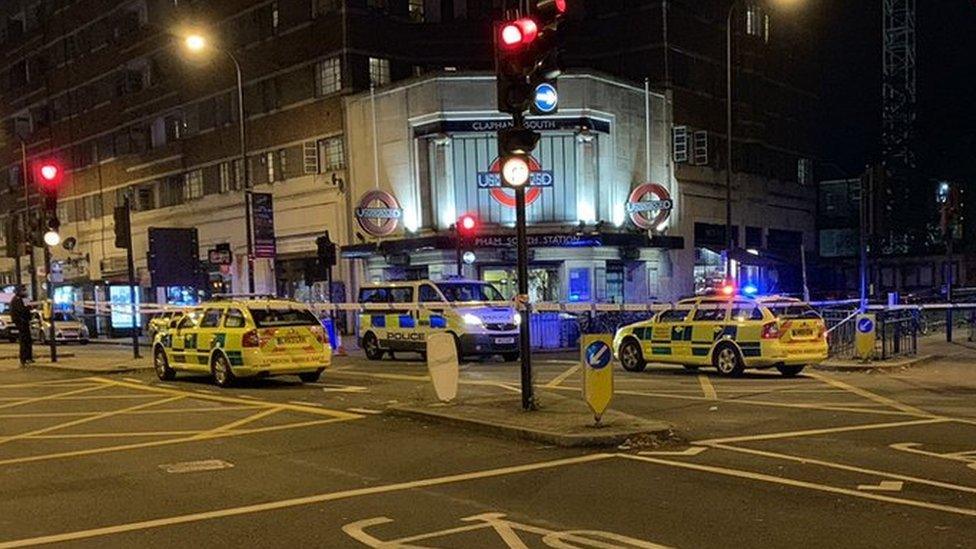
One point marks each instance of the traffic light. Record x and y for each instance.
(527, 58)
(326, 250)
(123, 229)
(13, 236)
(515, 170)
(49, 175)
(467, 225)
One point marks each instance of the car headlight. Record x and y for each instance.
(472, 320)
(517, 319)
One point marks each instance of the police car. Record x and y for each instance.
(398, 316)
(231, 337)
(731, 333)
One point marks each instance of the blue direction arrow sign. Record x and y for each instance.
(865, 325)
(546, 98)
(598, 355)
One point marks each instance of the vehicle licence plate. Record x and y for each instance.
(290, 340)
(504, 340)
(803, 333)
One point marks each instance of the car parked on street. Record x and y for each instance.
(8, 330)
(231, 337)
(68, 328)
(730, 333)
(163, 320)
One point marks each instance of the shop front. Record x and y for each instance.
(598, 226)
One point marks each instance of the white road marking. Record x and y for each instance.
(693, 451)
(968, 456)
(869, 395)
(800, 484)
(296, 502)
(345, 389)
(132, 380)
(883, 486)
(825, 431)
(367, 411)
(196, 466)
(844, 467)
(249, 397)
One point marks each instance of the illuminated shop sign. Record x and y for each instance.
(379, 213)
(537, 124)
(649, 205)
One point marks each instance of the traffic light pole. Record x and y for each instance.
(29, 233)
(522, 245)
(130, 265)
(52, 340)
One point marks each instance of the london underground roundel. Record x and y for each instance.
(506, 196)
(649, 205)
(379, 213)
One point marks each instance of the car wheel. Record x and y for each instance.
(631, 356)
(727, 361)
(371, 346)
(161, 365)
(790, 371)
(511, 357)
(310, 377)
(690, 367)
(222, 374)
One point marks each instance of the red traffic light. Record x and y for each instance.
(49, 174)
(519, 32)
(467, 223)
(560, 6)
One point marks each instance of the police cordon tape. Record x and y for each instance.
(101, 307)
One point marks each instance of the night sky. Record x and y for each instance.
(946, 126)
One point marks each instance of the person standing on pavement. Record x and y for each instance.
(20, 313)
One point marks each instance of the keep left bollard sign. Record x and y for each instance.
(596, 355)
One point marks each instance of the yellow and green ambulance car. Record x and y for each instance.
(234, 338)
(398, 316)
(730, 333)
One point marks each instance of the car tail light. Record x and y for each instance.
(251, 339)
(320, 334)
(771, 330)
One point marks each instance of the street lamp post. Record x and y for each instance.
(729, 240)
(196, 43)
(729, 237)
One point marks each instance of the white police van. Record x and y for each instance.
(398, 316)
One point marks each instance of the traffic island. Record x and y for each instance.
(559, 421)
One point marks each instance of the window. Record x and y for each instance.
(615, 283)
(379, 71)
(234, 319)
(374, 295)
(377, 4)
(674, 315)
(331, 154)
(274, 17)
(91, 207)
(192, 185)
(211, 318)
(269, 161)
(328, 76)
(429, 295)
(757, 22)
(804, 171)
(401, 295)
(742, 311)
(710, 312)
(282, 163)
(416, 10)
(266, 318)
(224, 177)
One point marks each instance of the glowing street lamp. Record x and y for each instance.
(195, 42)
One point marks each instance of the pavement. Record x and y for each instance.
(846, 459)
(93, 358)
